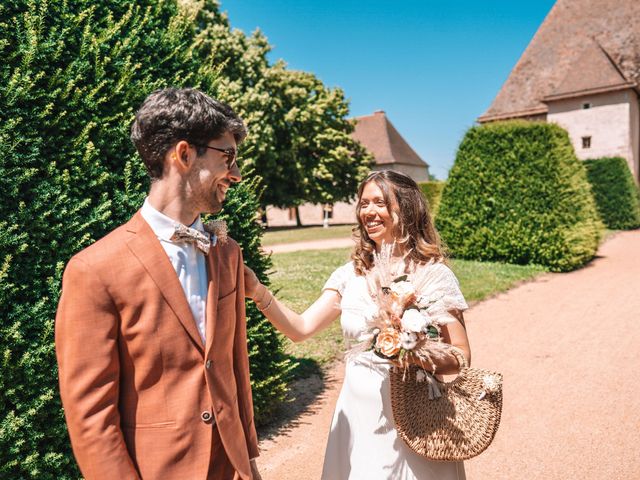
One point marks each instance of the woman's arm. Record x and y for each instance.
(295, 326)
(455, 334)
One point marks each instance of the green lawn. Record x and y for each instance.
(299, 277)
(290, 235)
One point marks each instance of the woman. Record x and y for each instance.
(363, 443)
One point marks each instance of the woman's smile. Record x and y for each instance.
(374, 215)
(374, 226)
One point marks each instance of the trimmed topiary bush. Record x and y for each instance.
(432, 192)
(73, 74)
(518, 194)
(616, 194)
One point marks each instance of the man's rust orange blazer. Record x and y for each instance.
(137, 385)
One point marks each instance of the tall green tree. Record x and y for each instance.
(73, 73)
(316, 159)
(300, 141)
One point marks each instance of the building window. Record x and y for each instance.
(292, 213)
(586, 142)
(586, 106)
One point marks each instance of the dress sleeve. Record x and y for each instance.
(441, 287)
(338, 279)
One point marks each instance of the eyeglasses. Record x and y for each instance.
(231, 154)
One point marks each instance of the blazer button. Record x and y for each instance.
(206, 416)
(208, 364)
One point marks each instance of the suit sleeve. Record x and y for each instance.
(241, 366)
(86, 336)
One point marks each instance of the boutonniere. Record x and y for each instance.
(219, 229)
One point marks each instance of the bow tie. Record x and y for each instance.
(190, 235)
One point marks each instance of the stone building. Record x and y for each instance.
(582, 71)
(392, 152)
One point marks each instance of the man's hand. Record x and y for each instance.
(255, 474)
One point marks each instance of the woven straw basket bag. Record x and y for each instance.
(459, 424)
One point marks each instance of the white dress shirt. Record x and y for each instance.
(188, 262)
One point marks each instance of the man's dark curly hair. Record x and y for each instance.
(173, 114)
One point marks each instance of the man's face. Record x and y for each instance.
(210, 177)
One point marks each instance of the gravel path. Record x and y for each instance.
(568, 346)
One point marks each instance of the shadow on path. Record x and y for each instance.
(305, 397)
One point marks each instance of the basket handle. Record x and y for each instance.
(462, 363)
(456, 352)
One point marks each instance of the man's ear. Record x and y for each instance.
(182, 154)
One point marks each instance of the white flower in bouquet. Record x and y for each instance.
(409, 340)
(371, 313)
(402, 290)
(414, 321)
(365, 337)
(423, 301)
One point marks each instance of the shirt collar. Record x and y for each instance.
(162, 225)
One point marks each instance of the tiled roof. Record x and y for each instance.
(380, 137)
(592, 71)
(582, 47)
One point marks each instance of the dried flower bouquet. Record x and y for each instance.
(405, 322)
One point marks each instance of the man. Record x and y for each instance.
(150, 329)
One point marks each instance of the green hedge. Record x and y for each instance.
(518, 194)
(432, 192)
(73, 74)
(616, 194)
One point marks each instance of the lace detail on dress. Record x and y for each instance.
(437, 282)
(339, 278)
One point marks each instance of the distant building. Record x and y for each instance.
(582, 71)
(391, 152)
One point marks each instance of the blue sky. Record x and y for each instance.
(432, 66)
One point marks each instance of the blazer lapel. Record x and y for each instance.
(213, 271)
(146, 247)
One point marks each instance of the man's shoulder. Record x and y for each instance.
(229, 248)
(109, 247)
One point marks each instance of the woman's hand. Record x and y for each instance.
(297, 327)
(251, 284)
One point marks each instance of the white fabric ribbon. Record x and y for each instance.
(432, 383)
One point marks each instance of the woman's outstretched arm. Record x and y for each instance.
(297, 327)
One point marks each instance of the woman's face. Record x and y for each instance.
(375, 216)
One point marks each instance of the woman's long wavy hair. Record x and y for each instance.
(413, 229)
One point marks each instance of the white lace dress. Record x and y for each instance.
(363, 444)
